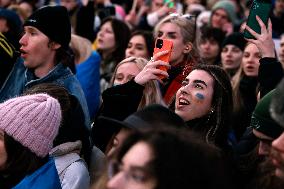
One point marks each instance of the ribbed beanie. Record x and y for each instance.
(229, 7)
(261, 119)
(54, 22)
(32, 120)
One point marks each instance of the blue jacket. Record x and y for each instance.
(46, 177)
(88, 74)
(21, 78)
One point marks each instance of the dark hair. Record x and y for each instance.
(218, 124)
(72, 126)
(66, 57)
(121, 34)
(181, 159)
(148, 37)
(209, 33)
(20, 162)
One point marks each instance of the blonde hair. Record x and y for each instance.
(187, 25)
(151, 93)
(81, 47)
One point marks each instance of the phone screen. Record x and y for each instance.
(262, 9)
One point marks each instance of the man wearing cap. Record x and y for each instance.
(45, 56)
(277, 113)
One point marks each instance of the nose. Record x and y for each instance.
(116, 182)
(131, 50)
(23, 40)
(263, 149)
(278, 143)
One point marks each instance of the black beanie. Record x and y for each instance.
(54, 22)
(236, 39)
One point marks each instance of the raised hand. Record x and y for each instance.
(151, 72)
(263, 41)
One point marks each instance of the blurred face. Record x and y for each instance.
(219, 18)
(209, 49)
(250, 60)
(118, 140)
(125, 72)
(36, 51)
(194, 98)
(106, 38)
(281, 51)
(137, 47)
(172, 32)
(3, 153)
(26, 7)
(3, 25)
(69, 4)
(156, 4)
(279, 6)
(132, 172)
(264, 143)
(231, 57)
(278, 156)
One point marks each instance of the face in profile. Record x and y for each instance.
(106, 38)
(35, 48)
(137, 47)
(250, 60)
(231, 57)
(194, 98)
(133, 171)
(264, 143)
(278, 156)
(3, 153)
(125, 72)
(172, 32)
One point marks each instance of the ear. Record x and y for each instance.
(54, 45)
(187, 48)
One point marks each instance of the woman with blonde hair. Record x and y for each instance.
(151, 94)
(124, 72)
(181, 30)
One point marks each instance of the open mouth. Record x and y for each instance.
(183, 102)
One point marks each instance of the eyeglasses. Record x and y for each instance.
(135, 174)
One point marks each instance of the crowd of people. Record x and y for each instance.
(84, 103)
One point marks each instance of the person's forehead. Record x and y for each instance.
(261, 135)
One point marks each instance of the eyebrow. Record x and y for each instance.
(200, 81)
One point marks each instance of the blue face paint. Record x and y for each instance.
(200, 96)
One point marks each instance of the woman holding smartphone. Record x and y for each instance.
(180, 29)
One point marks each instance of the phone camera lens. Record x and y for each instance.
(159, 43)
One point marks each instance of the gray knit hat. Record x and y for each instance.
(229, 7)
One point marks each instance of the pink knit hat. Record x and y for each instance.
(32, 120)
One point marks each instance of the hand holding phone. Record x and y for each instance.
(262, 9)
(163, 45)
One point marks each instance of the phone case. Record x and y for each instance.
(171, 4)
(167, 45)
(262, 9)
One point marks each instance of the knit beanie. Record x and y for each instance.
(32, 120)
(261, 119)
(54, 22)
(236, 39)
(277, 104)
(229, 7)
